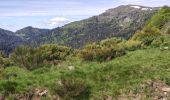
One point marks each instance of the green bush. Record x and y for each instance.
(86, 55)
(159, 41)
(72, 89)
(168, 30)
(20, 56)
(104, 50)
(111, 42)
(8, 87)
(52, 52)
(151, 34)
(160, 18)
(45, 55)
(131, 45)
(4, 61)
(147, 36)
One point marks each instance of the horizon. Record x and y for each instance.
(17, 14)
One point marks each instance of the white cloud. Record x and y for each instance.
(2, 17)
(55, 12)
(65, 7)
(8, 27)
(58, 21)
(149, 3)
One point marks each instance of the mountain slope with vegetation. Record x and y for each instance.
(122, 21)
(29, 33)
(8, 40)
(115, 68)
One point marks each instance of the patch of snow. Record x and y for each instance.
(137, 7)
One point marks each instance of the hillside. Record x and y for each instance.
(8, 40)
(136, 75)
(122, 21)
(112, 69)
(29, 33)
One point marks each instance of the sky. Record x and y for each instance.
(17, 14)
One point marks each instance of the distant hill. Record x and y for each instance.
(122, 21)
(29, 32)
(8, 40)
(112, 69)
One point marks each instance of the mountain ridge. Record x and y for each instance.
(8, 40)
(30, 32)
(122, 21)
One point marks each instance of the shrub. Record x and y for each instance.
(52, 52)
(131, 45)
(86, 55)
(8, 87)
(168, 30)
(20, 56)
(159, 41)
(72, 88)
(4, 61)
(104, 50)
(160, 18)
(151, 34)
(110, 42)
(147, 35)
(46, 55)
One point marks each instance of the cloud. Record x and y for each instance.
(54, 12)
(152, 3)
(8, 27)
(4, 25)
(58, 21)
(10, 8)
(2, 17)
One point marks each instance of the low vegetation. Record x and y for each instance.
(114, 68)
(45, 55)
(102, 51)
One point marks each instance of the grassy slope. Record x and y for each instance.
(106, 78)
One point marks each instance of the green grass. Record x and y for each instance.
(105, 79)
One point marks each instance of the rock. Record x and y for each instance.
(164, 99)
(43, 93)
(40, 92)
(71, 67)
(109, 58)
(59, 82)
(166, 89)
(166, 48)
(2, 97)
(165, 93)
(109, 98)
